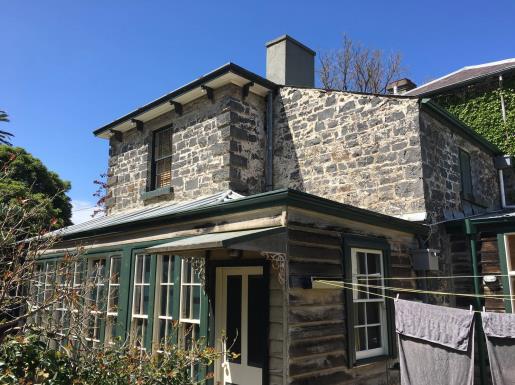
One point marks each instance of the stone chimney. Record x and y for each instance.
(290, 63)
(400, 87)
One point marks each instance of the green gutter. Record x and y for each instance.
(283, 197)
(460, 127)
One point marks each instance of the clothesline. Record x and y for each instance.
(424, 278)
(392, 298)
(351, 286)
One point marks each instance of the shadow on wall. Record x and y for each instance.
(286, 167)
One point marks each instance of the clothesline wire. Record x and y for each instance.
(420, 291)
(351, 286)
(439, 277)
(379, 295)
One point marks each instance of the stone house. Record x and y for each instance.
(245, 204)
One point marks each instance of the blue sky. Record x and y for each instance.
(68, 67)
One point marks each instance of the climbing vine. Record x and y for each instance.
(480, 108)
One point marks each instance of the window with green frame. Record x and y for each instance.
(370, 334)
(466, 174)
(140, 301)
(164, 325)
(113, 299)
(96, 274)
(162, 158)
(368, 303)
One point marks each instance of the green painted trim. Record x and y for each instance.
(124, 302)
(276, 198)
(501, 245)
(176, 306)
(151, 302)
(351, 241)
(106, 297)
(460, 127)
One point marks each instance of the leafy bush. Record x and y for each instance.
(27, 361)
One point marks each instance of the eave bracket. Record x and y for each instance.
(177, 107)
(209, 92)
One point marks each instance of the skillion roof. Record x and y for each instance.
(463, 76)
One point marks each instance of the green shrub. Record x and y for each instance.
(27, 360)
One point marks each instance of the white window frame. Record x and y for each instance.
(97, 301)
(112, 316)
(368, 353)
(510, 269)
(168, 317)
(192, 284)
(140, 316)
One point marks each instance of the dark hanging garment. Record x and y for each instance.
(499, 331)
(436, 344)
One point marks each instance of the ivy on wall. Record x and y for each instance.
(480, 108)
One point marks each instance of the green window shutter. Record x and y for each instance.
(466, 174)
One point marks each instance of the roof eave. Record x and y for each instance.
(227, 68)
(463, 83)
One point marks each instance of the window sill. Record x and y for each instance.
(471, 199)
(157, 193)
(371, 360)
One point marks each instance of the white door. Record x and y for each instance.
(240, 323)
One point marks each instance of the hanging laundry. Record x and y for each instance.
(436, 344)
(499, 331)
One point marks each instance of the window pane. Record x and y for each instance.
(113, 299)
(163, 172)
(373, 262)
(186, 304)
(374, 337)
(360, 339)
(377, 290)
(196, 303)
(139, 268)
(162, 331)
(147, 269)
(115, 270)
(164, 291)
(186, 271)
(163, 143)
(466, 176)
(361, 257)
(137, 300)
(234, 286)
(164, 268)
(359, 313)
(170, 300)
(146, 290)
(373, 312)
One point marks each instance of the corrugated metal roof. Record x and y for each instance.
(497, 215)
(213, 240)
(146, 213)
(463, 76)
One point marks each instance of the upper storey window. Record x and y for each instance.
(162, 158)
(466, 175)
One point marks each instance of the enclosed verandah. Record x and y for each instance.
(241, 274)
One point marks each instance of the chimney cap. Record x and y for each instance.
(292, 40)
(403, 84)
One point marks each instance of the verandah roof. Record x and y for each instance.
(214, 240)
